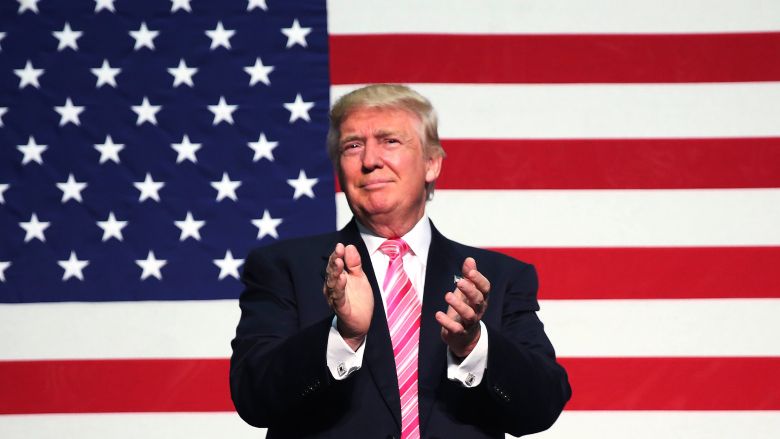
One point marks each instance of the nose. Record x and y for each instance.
(372, 156)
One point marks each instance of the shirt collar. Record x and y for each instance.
(418, 239)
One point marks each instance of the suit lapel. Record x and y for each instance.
(442, 264)
(378, 356)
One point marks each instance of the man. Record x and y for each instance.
(417, 335)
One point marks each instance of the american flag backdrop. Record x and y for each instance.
(630, 150)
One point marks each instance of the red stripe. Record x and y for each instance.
(611, 163)
(418, 58)
(201, 385)
(103, 386)
(674, 383)
(654, 273)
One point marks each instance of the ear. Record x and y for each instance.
(432, 168)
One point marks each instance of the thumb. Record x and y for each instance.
(352, 260)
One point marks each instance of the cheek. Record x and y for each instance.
(347, 172)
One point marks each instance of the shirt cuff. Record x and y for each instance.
(470, 370)
(341, 359)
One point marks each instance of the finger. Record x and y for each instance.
(469, 264)
(450, 311)
(337, 254)
(352, 260)
(472, 295)
(335, 269)
(471, 273)
(449, 324)
(337, 295)
(468, 316)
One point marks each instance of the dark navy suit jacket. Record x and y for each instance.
(279, 378)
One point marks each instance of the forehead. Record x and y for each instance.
(370, 120)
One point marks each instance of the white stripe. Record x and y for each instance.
(572, 218)
(128, 426)
(552, 16)
(203, 329)
(174, 329)
(488, 111)
(579, 424)
(691, 328)
(405, 366)
(667, 425)
(403, 318)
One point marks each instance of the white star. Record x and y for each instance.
(28, 5)
(3, 187)
(151, 266)
(299, 109)
(226, 188)
(186, 150)
(251, 4)
(180, 4)
(259, 72)
(149, 188)
(109, 150)
(69, 113)
(32, 151)
(34, 228)
(228, 266)
(303, 185)
(182, 74)
(146, 112)
(296, 34)
(29, 75)
(263, 148)
(190, 228)
(144, 37)
(222, 111)
(3, 110)
(73, 267)
(71, 189)
(3, 266)
(2, 37)
(112, 228)
(267, 225)
(106, 74)
(67, 37)
(104, 4)
(220, 36)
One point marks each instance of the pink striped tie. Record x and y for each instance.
(403, 319)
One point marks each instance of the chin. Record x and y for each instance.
(379, 207)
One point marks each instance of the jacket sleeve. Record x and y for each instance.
(527, 386)
(277, 368)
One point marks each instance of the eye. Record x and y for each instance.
(350, 147)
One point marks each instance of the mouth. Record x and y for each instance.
(374, 184)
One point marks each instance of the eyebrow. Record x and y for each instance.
(380, 134)
(351, 138)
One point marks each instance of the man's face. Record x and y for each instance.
(383, 170)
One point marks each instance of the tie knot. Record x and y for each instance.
(394, 248)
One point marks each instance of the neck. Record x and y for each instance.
(386, 227)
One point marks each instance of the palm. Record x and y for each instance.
(359, 304)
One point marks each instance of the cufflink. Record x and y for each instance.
(342, 370)
(470, 379)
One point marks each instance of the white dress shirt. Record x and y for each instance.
(343, 361)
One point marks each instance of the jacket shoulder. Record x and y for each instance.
(491, 256)
(321, 244)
